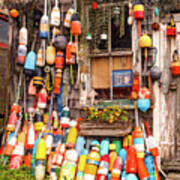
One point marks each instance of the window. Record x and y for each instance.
(108, 25)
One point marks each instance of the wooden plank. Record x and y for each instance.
(106, 132)
(118, 53)
(122, 63)
(100, 74)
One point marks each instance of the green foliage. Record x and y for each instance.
(23, 173)
(109, 114)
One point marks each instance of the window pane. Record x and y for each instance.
(121, 31)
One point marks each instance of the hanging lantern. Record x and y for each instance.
(76, 25)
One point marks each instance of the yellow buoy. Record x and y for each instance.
(41, 150)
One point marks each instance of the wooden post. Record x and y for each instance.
(7, 96)
(110, 56)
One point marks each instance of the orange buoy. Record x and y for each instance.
(14, 13)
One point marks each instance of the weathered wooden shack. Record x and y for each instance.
(108, 50)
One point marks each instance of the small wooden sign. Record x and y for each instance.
(122, 78)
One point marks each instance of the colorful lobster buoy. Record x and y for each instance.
(55, 15)
(38, 78)
(102, 172)
(171, 28)
(40, 160)
(72, 136)
(131, 161)
(40, 62)
(150, 165)
(15, 110)
(50, 55)
(57, 82)
(65, 117)
(42, 99)
(144, 102)
(22, 51)
(59, 155)
(10, 145)
(117, 168)
(138, 139)
(30, 63)
(75, 25)
(81, 165)
(92, 162)
(130, 18)
(118, 145)
(131, 177)
(80, 145)
(60, 42)
(44, 23)
(67, 21)
(155, 73)
(104, 147)
(18, 153)
(59, 61)
(123, 155)
(38, 124)
(23, 36)
(175, 64)
(68, 169)
(14, 13)
(145, 42)
(49, 142)
(138, 14)
(112, 156)
(70, 53)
